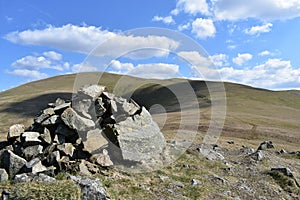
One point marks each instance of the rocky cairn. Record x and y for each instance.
(95, 130)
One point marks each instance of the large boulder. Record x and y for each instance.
(44, 115)
(11, 162)
(95, 140)
(92, 91)
(139, 137)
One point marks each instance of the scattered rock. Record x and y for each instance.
(92, 91)
(196, 182)
(230, 142)
(29, 177)
(34, 166)
(218, 178)
(265, 145)
(3, 175)
(178, 184)
(103, 159)
(209, 153)
(91, 189)
(258, 155)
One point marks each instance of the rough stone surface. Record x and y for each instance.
(31, 138)
(93, 91)
(54, 119)
(140, 138)
(210, 153)
(258, 155)
(103, 159)
(34, 166)
(15, 131)
(31, 152)
(11, 162)
(91, 189)
(44, 115)
(3, 175)
(95, 140)
(76, 122)
(66, 148)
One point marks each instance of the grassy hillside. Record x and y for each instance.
(252, 114)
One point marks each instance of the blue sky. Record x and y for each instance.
(249, 42)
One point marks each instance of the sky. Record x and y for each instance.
(256, 42)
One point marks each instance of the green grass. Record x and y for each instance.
(285, 182)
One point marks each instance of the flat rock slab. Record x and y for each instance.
(95, 140)
(15, 131)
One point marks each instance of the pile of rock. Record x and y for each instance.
(94, 130)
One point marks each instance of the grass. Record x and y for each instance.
(285, 182)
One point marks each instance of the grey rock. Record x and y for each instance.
(34, 166)
(66, 148)
(83, 107)
(29, 177)
(15, 131)
(11, 162)
(247, 150)
(266, 145)
(258, 155)
(95, 140)
(53, 158)
(93, 91)
(121, 109)
(44, 115)
(31, 152)
(59, 139)
(218, 178)
(144, 186)
(286, 171)
(91, 189)
(83, 169)
(209, 153)
(61, 106)
(178, 184)
(46, 136)
(162, 177)
(30, 138)
(196, 182)
(103, 159)
(140, 138)
(76, 122)
(54, 119)
(3, 175)
(100, 108)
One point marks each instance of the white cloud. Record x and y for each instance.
(263, 10)
(259, 29)
(84, 38)
(203, 28)
(201, 66)
(219, 60)
(265, 53)
(53, 55)
(166, 20)
(35, 63)
(31, 74)
(192, 7)
(119, 67)
(273, 74)
(184, 26)
(242, 58)
(155, 70)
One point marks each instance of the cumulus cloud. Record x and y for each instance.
(53, 55)
(266, 53)
(31, 74)
(255, 30)
(219, 60)
(192, 7)
(203, 28)
(165, 20)
(83, 39)
(184, 26)
(83, 67)
(155, 70)
(242, 58)
(35, 63)
(263, 10)
(118, 67)
(273, 74)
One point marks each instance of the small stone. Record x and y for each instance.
(3, 175)
(64, 130)
(178, 184)
(258, 155)
(230, 142)
(83, 169)
(90, 188)
(62, 106)
(218, 178)
(53, 158)
(43, 178)
(15, 131)
(54, 119)
(103, 160)
(23, 178)
(30, 138)
(59, 139)
(46, 136)
(196, 182)
(266, 145)
(34, 166)
(44, 115)
(31, 152)
(66, 148)
(210, 154)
